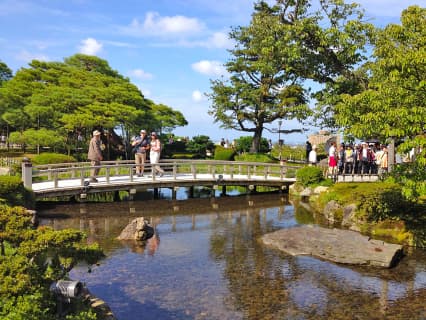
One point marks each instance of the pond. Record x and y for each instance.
(206, 263)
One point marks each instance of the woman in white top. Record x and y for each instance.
(154, 154)
(313, 155)
(332, 159)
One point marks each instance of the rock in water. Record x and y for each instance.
(337, 245)
(138, 229)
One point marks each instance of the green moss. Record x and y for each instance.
(392, 231)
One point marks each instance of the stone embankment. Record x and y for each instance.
(340, 246)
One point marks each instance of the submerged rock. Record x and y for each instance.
(138, 229)
(341, 246)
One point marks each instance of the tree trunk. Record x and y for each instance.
(255, 145)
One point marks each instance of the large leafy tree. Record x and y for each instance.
(393, 104)
(5, 73)
(285, 44)
(262, 86)
(332, 37)
(74, 96)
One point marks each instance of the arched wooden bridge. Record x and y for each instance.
(72, 179)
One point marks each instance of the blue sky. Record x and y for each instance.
(170, 49)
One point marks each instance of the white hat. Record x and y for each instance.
(314, 146)
(96, 133)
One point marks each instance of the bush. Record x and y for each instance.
(221, 153)
(243, 144)
(309, 176)
(254, 157)
(13, 192)
(375, 201)
(50, 157)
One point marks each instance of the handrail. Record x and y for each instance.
(174, 168)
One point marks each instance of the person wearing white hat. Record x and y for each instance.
(95, 155)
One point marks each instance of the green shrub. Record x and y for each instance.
(221, 153)
(243, 144)
(375, 201)
(309, 176)
(49, 158)
(13, 192)
(254, 157)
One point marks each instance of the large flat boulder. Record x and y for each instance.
(337, 245)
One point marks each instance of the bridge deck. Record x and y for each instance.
(73, 179)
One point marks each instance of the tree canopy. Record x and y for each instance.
(76, 96)
(393, 103)
(284, 45)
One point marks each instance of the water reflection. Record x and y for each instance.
(209, 264)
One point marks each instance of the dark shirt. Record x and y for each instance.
(142, 144)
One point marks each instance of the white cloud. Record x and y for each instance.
(210, 68)
(156, 25)
(197, 96)
(28, 57)
(220, 40)
(90, 46)
(140, 74)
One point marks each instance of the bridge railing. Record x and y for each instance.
(174, 169)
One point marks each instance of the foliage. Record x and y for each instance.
(243, 144)
(254, 157)
(263, 86)
(5, 72)
(392, 104)
(199, 145)
(33, 137)
(375, 201)
(221, 153)
(412, 178)
(76, 96)
(309, 176)
(40, 257)
(49, 158)
(13, 192)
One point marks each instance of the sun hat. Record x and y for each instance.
(96, 133)
(143, 131)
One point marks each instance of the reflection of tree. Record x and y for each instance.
(258, 287)
(267, 285)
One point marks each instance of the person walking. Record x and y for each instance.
(332, 159)
(308, 149)
(154, 154)
(313, 156)
(95, 155)
(141, 146)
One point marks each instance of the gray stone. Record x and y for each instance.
(340, 246)
(320, 189)
(138, 229)
(349, 219)
(330, 210)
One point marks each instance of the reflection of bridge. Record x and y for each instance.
(71, 179)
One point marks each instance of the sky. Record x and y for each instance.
(170, 49)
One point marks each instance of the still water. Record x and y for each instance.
(206, 263)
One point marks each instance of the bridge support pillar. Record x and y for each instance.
(191, 192)
(223, 190)
(156, 193)
(27, 173)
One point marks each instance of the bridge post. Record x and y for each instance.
(27, 173)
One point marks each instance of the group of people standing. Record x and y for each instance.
(141, 146)
(362, 158)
